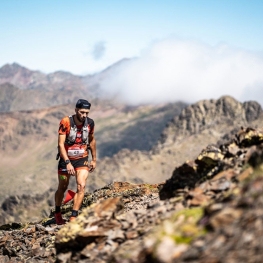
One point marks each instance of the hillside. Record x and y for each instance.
(28, 145)
(198, 125)
(209, 210)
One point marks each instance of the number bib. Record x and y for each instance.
(75, 152)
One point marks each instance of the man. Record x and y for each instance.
(75, 138)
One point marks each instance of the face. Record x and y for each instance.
(81, 114)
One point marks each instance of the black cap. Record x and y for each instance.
(83, 104)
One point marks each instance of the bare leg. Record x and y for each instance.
(63, 181)
(81, 178)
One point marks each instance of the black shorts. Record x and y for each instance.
(78, 164)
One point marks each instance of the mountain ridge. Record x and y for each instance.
(206, 113)
(36, 90)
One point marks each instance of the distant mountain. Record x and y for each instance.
(24, 78)
(20, 76)
(29, 90)
(24, 89)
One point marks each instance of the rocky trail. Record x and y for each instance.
(210, 210)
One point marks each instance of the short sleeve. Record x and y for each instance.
(91, 125)
(64, 126)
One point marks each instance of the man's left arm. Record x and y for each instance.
(92, 144)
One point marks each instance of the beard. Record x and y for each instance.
(80, 119)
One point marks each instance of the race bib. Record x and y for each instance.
(76, 152)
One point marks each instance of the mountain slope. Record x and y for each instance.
(28, 145)
(215, 215)
(182, 139)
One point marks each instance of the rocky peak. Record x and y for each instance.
(19, 76)
(9, 70)
(209, 113)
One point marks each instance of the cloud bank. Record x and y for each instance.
(172, 70)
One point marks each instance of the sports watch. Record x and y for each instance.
(67, 161)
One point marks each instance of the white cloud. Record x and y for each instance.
(174, 69)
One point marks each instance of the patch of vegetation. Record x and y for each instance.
(182, 227)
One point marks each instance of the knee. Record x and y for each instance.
(63, 187)
(81, 188)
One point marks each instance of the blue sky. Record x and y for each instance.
(84, 37)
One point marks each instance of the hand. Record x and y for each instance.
(92, 166)
(70, 169)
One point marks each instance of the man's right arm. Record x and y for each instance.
(61, 146)
(63, 153)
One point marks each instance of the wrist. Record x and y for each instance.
(67, 161)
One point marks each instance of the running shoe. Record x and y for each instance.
(59, 219)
